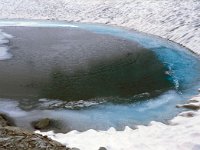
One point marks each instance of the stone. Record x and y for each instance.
(193, 103)
(14, 138)
(102, 148)
(187, 114)
(5, 120)
(74, 148)
(47, 124)
(189, 106)
(42, 123)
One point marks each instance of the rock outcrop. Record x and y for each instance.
(14, 138)
(193, 104)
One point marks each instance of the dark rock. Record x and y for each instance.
(189, 106)
(102, 148)
(47, 124)
(3, 122)
(42, 123)
(74, 148)
(6, 120)
(187, 114)
(193, 101)
(14, 138)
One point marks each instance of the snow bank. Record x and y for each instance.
(182, 133)
(176, 20)
(3, 48)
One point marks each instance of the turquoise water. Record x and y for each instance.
(184, 65)
(185, 73)
(184, 69)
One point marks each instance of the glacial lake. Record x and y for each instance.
(89, 76)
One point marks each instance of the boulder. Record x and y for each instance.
(42, 123)
(5, 120)
(14, 138)
(187, 114)
(74, 148)
(193, 103)
(102, 148)
(46, 124)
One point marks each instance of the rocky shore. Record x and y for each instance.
(14, 138)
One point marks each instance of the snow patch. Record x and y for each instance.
(3, 48)
(35, 24)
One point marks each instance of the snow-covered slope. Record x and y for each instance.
(177, 20)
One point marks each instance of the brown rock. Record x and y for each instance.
(189, 106)
(102, 148)
(5, 120)
(187, 114)
(14, 138)
(42, 124)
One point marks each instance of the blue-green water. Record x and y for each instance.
(183, 64)
(184, 72)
